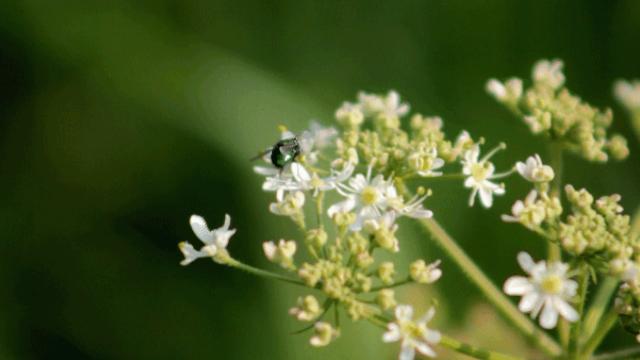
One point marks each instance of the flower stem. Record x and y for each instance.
(473, 351)
(264, 273)
(599, 334)
(493, 294)
(398, 283)
(555, 152)
(574, 340)
(598, 308)
(631, 353)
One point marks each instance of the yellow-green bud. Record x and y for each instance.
(324, 334)
(316, 238)
(386, 271)
(308, 309)
(422, 273)
(386, 299)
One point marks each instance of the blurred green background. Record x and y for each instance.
(119, 119)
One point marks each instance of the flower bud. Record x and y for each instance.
(425, 274)
(386, 271)
(307, 310)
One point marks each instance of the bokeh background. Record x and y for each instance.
(119, 119)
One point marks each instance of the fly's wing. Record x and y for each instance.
(262, 154)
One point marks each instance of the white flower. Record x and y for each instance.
(547, 290)
(528, 212)
(628, 93)
(422, 273)
(215, 241)
(302, 180)
(479, 173)
(415, 335)
(282, 253)
(534, 170)
(413, 208)
(425, 161)
(350, 114)
(388, 107)
(315, 139)
(549, 73)
(366, 196)
(510, 91)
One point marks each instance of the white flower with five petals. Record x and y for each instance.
(547, 291)
(480, 172)
(415, 335)
(215, 241)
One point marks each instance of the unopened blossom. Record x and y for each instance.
(324, 334)
(534, 170)
(386, 299)
(215, 241)
(422, 273)
(414, 335)
(386, 271)
(280, 253)
(546, 292)
(383, 229)
(509, 92)
(480, 172)
(549, 73)
(307, 309)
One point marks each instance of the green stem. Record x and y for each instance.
(583, 284)
(598, 307)
(493, 294)
(264, 273)
(473, 351)
(555, 152)
(626, 354)
(635, 223)
(396, 284)
(599, 334)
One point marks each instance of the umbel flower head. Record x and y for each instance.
(547, 291)
(215, 241)
(414, 335)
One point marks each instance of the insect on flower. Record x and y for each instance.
(283, 152)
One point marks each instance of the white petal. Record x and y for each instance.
(425, 349)
(189, 252)
(529, 302)
(432, 336)
(517, 285)
(486, 197)
(549, 316)
(269, 249)
(565, 310)
(428, 315)
(407, 353)
(404, 312)
(393, 333)
(525, 261)
(200, 228)
(300, 173)
(343, 206)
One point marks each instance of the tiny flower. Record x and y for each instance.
(324, 334)
(383, 229)
(529, 213)
(315, 139)
(480, 172)
(534, 170)
(547, 290)
(422, 273)
(388, 107)
(628, 93)
(549, 73)
(215, 241)
(509, 92)
(308, 309)
(288, 205)
(365, 196)
(350, 115)
(425, 162)
(415, 335)
(282, 253)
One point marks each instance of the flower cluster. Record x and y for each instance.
(548, 107)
